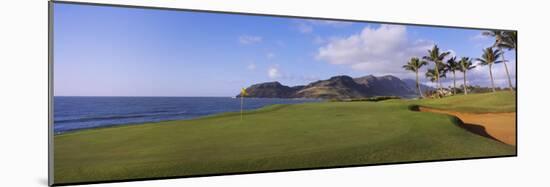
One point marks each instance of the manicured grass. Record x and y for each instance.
(273, 138)
(502, 101)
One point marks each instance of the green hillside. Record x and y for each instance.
(503, 101)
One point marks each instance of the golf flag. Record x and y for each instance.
(243, 93)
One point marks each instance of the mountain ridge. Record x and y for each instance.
(336, 87)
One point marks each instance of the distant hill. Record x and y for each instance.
(412, 84)
(385, 86)
(270, 90)
(337, 87)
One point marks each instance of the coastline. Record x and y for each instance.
(80, 113)
(223, 114)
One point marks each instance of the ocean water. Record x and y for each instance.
(75, 113)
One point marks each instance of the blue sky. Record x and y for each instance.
(113, 51)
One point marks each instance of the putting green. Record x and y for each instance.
(272, 138)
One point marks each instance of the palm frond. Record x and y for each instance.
(452, 64)
(414, 64)
(490, 56)
(465, 64)
(508, 40)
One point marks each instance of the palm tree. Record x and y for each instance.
(465, 64)
(414, 65)
(489, 58)
(509, 41)
(431, 75)
(437, 58)
(453, 66)
(503, 39)
(443, 70)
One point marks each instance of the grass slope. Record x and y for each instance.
(503, 101)
(276, 137)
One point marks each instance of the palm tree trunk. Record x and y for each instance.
(438, 86)
(507, 73)
(491, 74)
(441, 85)
(454, 83)
(418, 86)
(464, 85)
(437, 77)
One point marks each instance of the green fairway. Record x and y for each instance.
(279, 137)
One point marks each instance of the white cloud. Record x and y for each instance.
(452, 53)
(480, 76)
(383, 50)
(273, 72)
(302, 79)
(481, 41)
(330, 23)
(378, 51)
(479, 37)
(319, 40)
(270, 55)
(247, 39)
(305, 28)
(251, 66)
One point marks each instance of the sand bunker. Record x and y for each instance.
(499, 126)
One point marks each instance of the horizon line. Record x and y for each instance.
(129, 96)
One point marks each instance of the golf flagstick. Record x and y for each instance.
(243, 93)
(241, 107)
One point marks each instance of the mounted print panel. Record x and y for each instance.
(151, 93)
